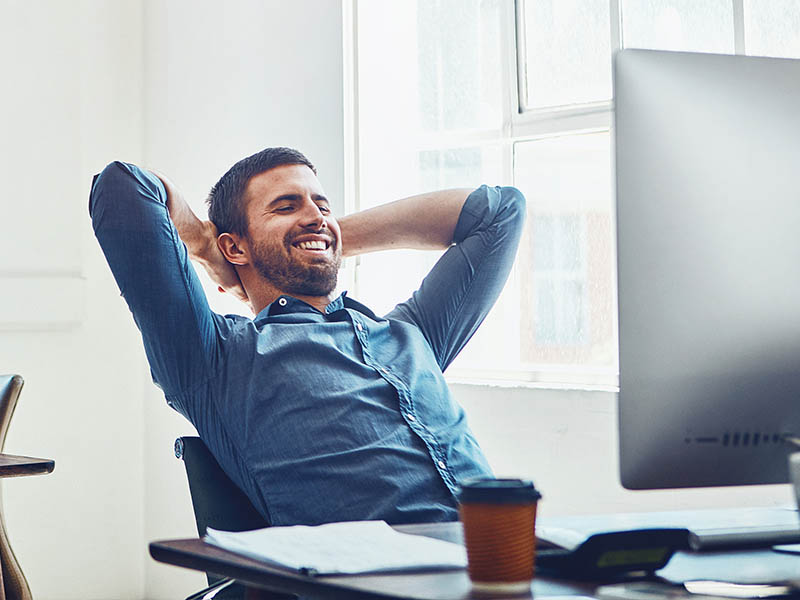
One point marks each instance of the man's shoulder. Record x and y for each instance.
(234, 329)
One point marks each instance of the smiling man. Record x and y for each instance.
(319, 409)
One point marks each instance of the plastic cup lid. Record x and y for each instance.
(498, 491)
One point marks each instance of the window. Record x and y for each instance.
(454, 93)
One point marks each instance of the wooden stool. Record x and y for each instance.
(14, 585)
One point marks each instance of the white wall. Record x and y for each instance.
(71, 98)
(189, 87)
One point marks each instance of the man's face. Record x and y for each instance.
(295, 242)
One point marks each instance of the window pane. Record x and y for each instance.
(685, 25)
(559, 305)
(386, 278)
(428, 66)
(566, 256)
(458, 58)
(772, 28)
(568, 52)
(439, 169)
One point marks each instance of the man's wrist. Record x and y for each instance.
(200, 240)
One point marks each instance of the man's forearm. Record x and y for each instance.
(196, 234)
(422, 222)
(200, 238)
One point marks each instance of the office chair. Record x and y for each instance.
(220, 504)
(13, 581)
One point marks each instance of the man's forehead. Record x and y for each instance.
(282, 180)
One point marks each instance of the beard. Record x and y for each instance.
(316, 276)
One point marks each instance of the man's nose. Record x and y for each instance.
(312, 215)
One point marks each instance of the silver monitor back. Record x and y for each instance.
(708, 240)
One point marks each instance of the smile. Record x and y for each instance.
(313, 245)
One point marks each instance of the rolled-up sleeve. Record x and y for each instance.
(457, 294)
(152, 269)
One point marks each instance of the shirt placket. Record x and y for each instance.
(406, 404)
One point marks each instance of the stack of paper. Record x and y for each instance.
(342, 548)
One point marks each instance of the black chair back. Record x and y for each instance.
(217, 501)
(220, 504)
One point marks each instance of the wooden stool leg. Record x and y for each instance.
(2, 578)
(14, 585)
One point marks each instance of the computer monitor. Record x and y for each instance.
(708, 231)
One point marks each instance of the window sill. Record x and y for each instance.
(542, 380)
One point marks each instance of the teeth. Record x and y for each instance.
(314, 245)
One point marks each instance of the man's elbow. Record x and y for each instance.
(121, 184)
(514, 206)
(107, 178)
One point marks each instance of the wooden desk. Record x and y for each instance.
(751, 566)
(440, 585)
(13, 585)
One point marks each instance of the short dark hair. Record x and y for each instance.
(226, 200)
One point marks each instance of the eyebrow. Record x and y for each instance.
(297, 198)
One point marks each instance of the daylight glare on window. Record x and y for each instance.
(567, 45)
(772, 28)
(684, 25)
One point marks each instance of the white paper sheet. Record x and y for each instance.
(342, 548)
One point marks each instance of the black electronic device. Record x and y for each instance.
(613, 554)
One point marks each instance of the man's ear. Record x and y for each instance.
(233, 248)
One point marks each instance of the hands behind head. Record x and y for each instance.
(200, 238)
(219, 269)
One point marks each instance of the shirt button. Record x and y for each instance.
(359, 327)
(282, 301)
(442, 465)
(411, 417)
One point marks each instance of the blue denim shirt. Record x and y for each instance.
(317, 417)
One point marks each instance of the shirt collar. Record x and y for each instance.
(288, 304)
(355, 305)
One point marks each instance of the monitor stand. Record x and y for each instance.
(794, 472)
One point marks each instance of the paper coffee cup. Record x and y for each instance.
(499, 518)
